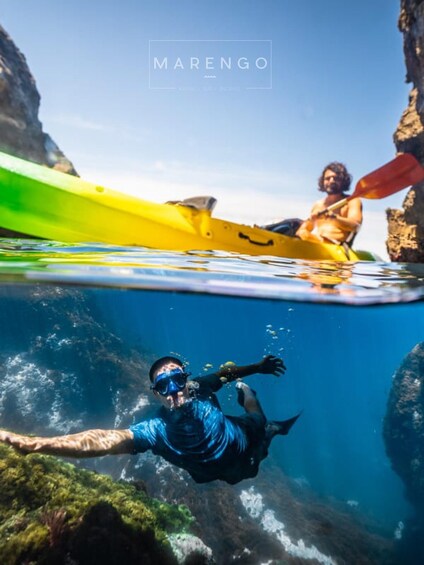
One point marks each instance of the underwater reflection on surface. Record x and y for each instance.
(213, 272)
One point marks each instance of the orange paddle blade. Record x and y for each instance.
(395, 175)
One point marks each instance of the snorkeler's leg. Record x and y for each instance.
(246, 397)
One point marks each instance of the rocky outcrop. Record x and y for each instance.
(406, 227)
(404, 425)
(52, 512)
(21, 132)
(67, 367)
(404, 440)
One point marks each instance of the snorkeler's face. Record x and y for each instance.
(170, 385)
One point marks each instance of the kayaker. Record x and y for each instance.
(190, 430)
(341, 225)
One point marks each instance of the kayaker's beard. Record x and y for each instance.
(334, 188)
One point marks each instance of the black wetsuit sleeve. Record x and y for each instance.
(212, 382)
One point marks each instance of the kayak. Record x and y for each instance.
(43, 203)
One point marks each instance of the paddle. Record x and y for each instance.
(403, 171)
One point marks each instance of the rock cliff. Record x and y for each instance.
(21, 132)
(406, 227)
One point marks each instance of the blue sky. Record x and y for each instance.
(337, 93)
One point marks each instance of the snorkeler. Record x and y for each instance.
(190, 430)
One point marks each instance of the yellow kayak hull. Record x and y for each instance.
(43, 203)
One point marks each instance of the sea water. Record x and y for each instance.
(343, 331)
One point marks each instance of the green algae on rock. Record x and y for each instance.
(49, 509)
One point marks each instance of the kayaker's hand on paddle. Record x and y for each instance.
(322, 214)
(271, 365)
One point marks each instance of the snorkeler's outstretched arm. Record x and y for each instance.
(269, 365)
(91, 443)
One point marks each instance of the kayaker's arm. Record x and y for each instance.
(306, 227)
(353, 219)
(91, 443)
(305, 230)
(269, 365)
(330, 226)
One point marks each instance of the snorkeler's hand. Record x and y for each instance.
(5, 436)
(271, 365)
(16, 441)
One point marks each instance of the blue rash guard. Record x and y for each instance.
(199, 438)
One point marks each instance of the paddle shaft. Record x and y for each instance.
(335, 206)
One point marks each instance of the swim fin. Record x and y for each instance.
(281, 427)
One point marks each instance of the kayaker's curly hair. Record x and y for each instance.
(341, 172)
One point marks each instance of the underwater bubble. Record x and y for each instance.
(399, 530)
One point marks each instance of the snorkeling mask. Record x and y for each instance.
(170, 382)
